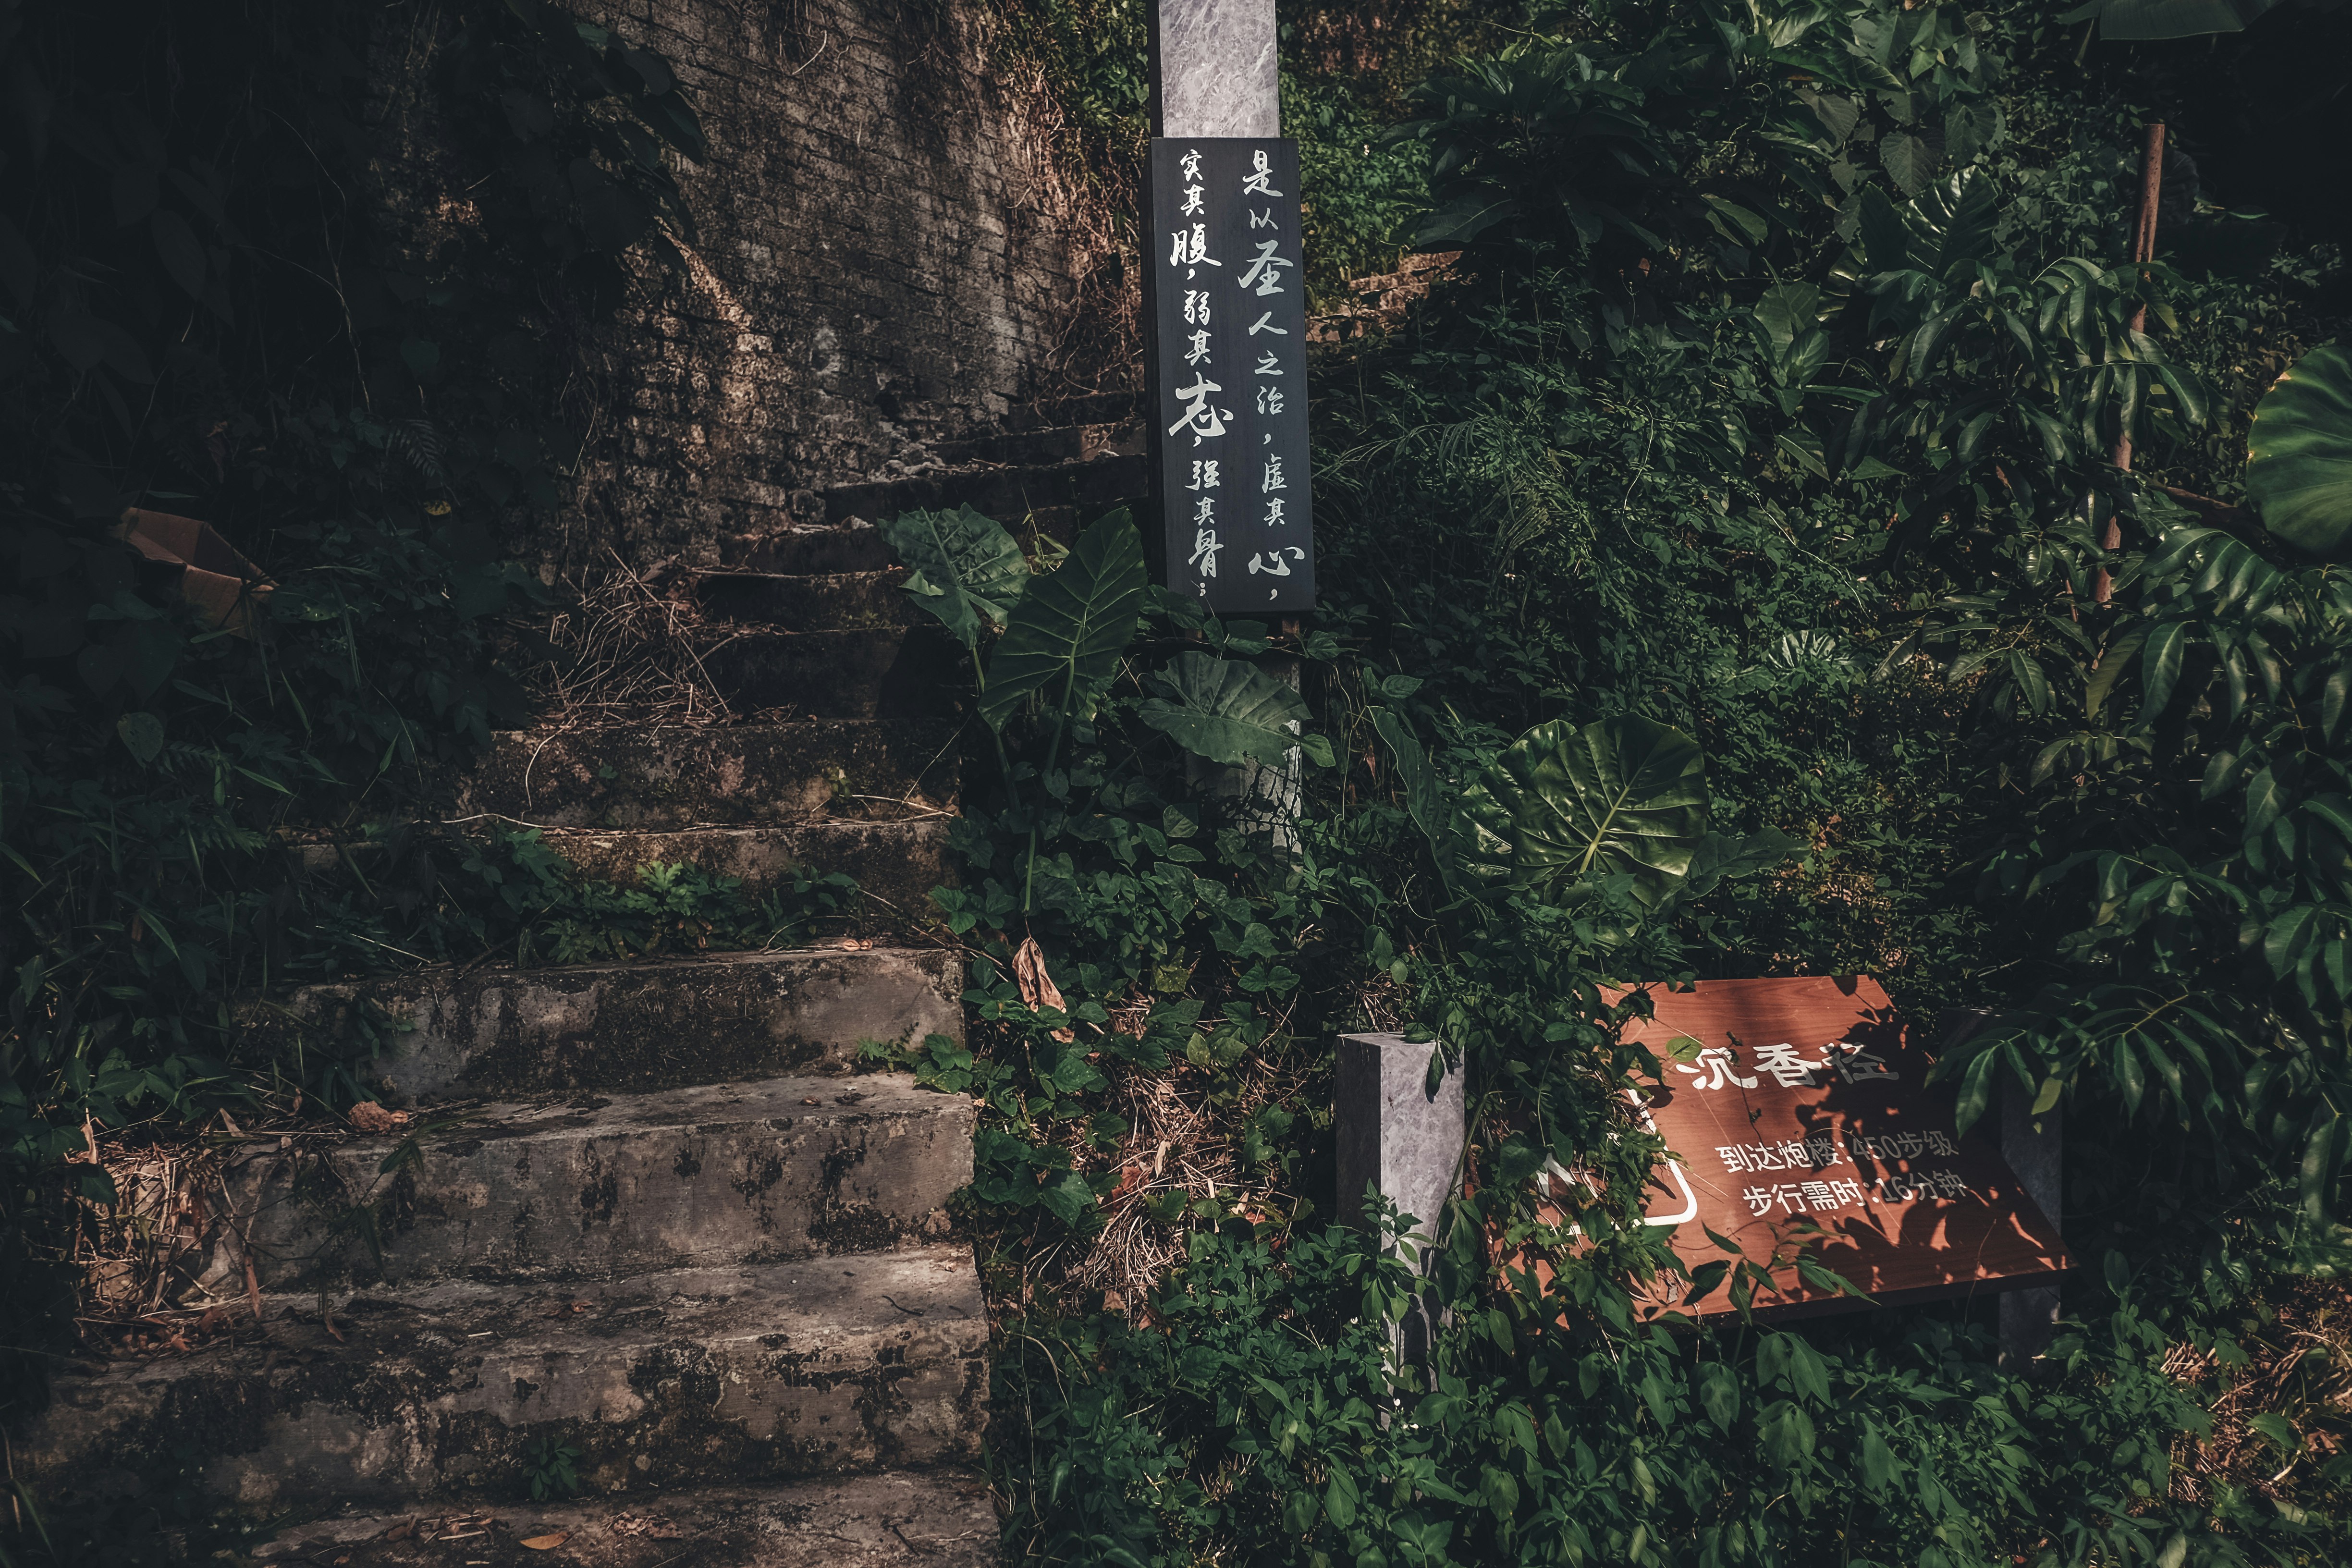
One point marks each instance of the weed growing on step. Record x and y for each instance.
(551, 1467)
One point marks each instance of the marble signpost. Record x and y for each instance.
(1231, 522)
(1225, 317)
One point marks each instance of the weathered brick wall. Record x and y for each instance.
(883, 257)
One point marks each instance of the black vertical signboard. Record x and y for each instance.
(1228, 314)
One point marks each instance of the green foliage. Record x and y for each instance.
(2145, 20)
(1226, 710)
(1063, 639)
(1623, 796)
(962, 568)
(2299, 454)
(551, 1468)
(196, 317)
(1774, 409)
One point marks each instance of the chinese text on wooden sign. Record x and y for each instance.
(1229, 314)
(1804, 1098)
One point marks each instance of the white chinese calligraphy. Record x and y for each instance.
(1900, 1145)
(1204, 552)
(1259, 180)
(1191, 249)
(1725, 1065)
(1264, 275)
(1201, 418)
(1204, 475)
(1854, 1065)
(1815, 1153)
(1788, 1069)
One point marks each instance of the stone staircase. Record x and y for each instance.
(642, 1229)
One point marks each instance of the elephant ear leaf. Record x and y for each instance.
(1425, 799)
(1062, 638)
(963, 567)
(1623, 796)
(2299, 454)
(1226, 710)
(1723, 855)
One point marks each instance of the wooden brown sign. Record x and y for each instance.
(1802, 1100)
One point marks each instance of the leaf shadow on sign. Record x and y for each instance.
(1894, 1200)
(1991, 1235)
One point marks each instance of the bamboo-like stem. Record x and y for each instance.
(2151, 183)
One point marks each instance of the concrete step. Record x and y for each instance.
(939, 1518)
(1047, 443)
(809, 550)
(833, 601)
(1090, 408)
(618, 1027)
(1006, 494)
(916, 672)
(594, 1188)
(735, 774)
(709, 1375)
(895, 864)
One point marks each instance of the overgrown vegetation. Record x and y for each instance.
(1776, 404)
(204, 316)
(1762, 451)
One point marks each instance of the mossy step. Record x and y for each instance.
(1005, 493)
(1047, 444)
(651, 1023)
(937, 1518)
(1088, 408)
(835, 601)
(741, 1374)
(743, 775)
(809, 550)
(895, 864)
(916, 672)
(587, 1186)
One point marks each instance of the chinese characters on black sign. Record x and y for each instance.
(1229, 373)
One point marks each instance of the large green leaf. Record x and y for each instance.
(1226, 710)
(1427, 801)
(1063, 637)
(1626, 794)
(963, 565)
(2141, 20)
(2299, 454)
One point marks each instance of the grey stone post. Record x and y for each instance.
(2035, 1149)
(1214, 71)
(1398, 1138)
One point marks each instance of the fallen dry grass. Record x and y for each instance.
(2300, 1367)
(622, 649)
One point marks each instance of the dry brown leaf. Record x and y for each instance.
(653, 1525)
(546, 1542)
(370, 1117)
(1037, 988)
